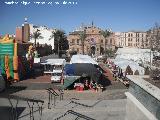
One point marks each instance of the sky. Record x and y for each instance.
(118, 15)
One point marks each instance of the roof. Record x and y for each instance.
(55, 62)
(135, 54)
(82, 69)
(82, 59)
(123, 63)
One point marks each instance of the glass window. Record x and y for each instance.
(97, 49)
(128, 35)
(73, 41)
(77, 41)
(111, 41)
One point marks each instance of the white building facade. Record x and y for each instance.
(45, 35)
(132, 39)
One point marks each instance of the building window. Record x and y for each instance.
(128, 35)
(110, 41)
(128, 39)
(77, 49)
(70, 43)
(142, 35)
(73, 41)
(77, 41)
(101, 41)
(131, 35)
(97, 49)
(131, 39)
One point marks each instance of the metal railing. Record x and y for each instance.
(53, 93)
(30, 102)
(78, 115)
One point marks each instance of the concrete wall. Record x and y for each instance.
(143, 101)
(133, 112)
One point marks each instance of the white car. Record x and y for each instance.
(2, 83)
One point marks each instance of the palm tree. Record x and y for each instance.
(36, 35)
(105, 34)
(60, 40)
(82, 36)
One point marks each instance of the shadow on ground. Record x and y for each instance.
(10, 90)
(5, 112)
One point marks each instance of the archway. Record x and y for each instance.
(101, 50)
(93, 50)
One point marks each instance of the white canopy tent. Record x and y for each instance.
(134, 54)
(82, 59)
(123, 63)
(52, 64)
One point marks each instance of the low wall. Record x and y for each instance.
(143, 100)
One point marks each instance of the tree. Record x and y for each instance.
(36, 35)
(147, 71)
(105, 33)
(154, 37)
(60, 41)
(136, 72)
(82, 36)
(109, 52)
(128, 71)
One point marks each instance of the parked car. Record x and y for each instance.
(2, 83)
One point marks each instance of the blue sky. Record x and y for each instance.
(119, 15)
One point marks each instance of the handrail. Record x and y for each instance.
(29, 101)
(76, 114)
(80, 115)
(52, 91)
(55, 94)
(25, 99)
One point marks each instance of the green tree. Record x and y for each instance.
(36, 35)
(109, 52)
(82, 36)
(128, 71)
(136, 72)
(105, 33)
(147, 71)
(60, 41)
